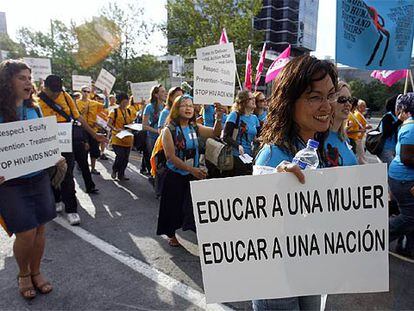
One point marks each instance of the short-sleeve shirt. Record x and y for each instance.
(397, 169)
(65, 102)
(153, 117)
(191, 144)
(262, 118)
(247, 127)
(358, 123)
(208, 115)
(391, 141)
(338, 152)
(163, 117)
(89, 110)
(272, 155)
(123, 117)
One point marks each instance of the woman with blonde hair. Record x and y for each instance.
(240, 130)
(338, 150)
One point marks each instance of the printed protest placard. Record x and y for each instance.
(41, 67)
(270, 236)
(65, 136)
(374, 34)
(79, 81)
(28, 146)
(213, 83)
(219, 53)
(142, 90)
(105, 81)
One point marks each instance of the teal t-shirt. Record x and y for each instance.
(338, 152)
(186, 135)
(163, 117)
(153, 117)
(262, 118)
(247, 126)
(26, 113)
(397, 169)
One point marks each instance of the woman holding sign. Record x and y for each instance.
(301, 109)
(121, 140)
(180, 144)
(30, 203)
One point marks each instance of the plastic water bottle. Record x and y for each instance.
(307, 158)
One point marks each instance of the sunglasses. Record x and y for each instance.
(344, 99)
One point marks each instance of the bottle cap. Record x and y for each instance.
(313, 144)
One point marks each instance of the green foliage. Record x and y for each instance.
(198, 23)
(126, 63)
(375, 93)
(15, 50)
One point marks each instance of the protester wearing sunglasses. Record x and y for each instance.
(338, 150)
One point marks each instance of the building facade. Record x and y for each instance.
(287, 22)
(3, 23)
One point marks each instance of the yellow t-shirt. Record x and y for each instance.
(89, 109)
(134, 109)
(123, 118)
(63, 100)
(356, 121)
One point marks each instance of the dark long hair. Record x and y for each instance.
(174, 116)
(8, 69)
(296, 77)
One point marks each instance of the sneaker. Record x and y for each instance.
(103, 157)
(73, 219)
(113, 175)
(59, 207)
(95, 172)
(123, 178)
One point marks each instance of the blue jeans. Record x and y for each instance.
(291, 303)
(403, 224)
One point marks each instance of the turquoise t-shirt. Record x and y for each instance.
(209, 116)
(153, 117)
(397, 169)
(188, 136)
(338, 152)
(25, 113)
(262, 118)
(163, 117)
(272, 155)
(247, 126)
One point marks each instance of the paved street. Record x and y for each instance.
(114, 260)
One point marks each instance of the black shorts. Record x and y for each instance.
(29, 204)
(94, 150)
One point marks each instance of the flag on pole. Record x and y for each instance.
(248, 73)
(389, 77)
(259, 68)
(223, 37)
(278, 65)
(374, 34)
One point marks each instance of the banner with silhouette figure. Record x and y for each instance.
(374, 34)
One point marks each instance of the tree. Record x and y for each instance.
(198, 23)
(14, 49)
(374, 93)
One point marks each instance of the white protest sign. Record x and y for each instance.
(134, 126)
(213, 83)
(79, 81)
(41, 67)
(28, 146)
(269, 236)
(219, 53)
(142, 90)
(105, 81)
(65, 136)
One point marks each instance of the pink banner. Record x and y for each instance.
(389, 77)
(223, 37)
(278, 65)
(259, 68)
(248, 73)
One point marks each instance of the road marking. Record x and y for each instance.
(403, 258)
(162, 279)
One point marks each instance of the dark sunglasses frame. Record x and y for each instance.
(343, 100)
